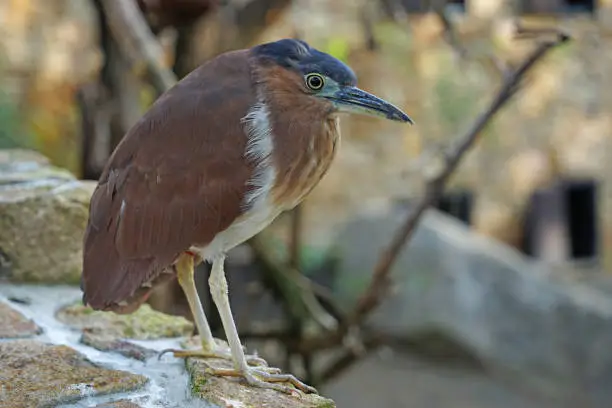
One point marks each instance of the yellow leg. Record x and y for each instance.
(210, 349)
(259, 377)
(185, 269)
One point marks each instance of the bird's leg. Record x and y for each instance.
(185, 269)
(256, 376)
(210, 349)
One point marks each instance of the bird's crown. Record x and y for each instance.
(297, 55)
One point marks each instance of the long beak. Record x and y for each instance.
(351, 99)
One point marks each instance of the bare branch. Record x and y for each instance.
(379, 284)
(372, 297)
(450, 32)
(295, 289)
(295, 246)
(137, 42)
(342, 363)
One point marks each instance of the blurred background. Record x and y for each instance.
(495, 300)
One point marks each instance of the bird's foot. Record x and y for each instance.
(214, 352)
(264, 377)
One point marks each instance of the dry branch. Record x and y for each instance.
(294, 288)
(450, 33)
(379, 284)
(131, 31)
(371, 298)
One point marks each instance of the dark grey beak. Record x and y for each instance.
(351, 99)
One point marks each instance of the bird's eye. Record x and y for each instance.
(315, 81)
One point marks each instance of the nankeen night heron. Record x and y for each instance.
(215, 159)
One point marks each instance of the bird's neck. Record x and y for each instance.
(304, 136)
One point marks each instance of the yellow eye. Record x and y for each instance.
(315, 81)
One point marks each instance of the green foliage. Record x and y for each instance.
(311, 257)
(338, 47)
(394, 36)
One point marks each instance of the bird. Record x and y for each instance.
(213, 161)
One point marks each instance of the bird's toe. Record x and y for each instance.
(265, 377)
(216, 353)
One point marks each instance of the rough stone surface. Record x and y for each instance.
(21, 165)
(113, 344)
(35, 374)
(144, 324)
(43, 212)
(540, 330)
(232, 393)
(76, 348)
(15, 325)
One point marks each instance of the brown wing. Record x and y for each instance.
(176, 179)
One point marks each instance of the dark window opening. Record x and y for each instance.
(561, 222)
(455, 6)
(579, 6)
(581, 196)
(544, 226)
(457, 204)
(409, 6)
(557, 6)
(420, 6)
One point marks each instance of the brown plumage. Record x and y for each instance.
(218, 157)
(182, 176)
(304, 158)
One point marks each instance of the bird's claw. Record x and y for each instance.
(264, 377)
(220, 354)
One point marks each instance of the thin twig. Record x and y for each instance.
(279, 334)
(295, 245)
(297, 327)
(296, 292)
(347, 358)
(450, 32)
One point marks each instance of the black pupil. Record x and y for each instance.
(315, 82)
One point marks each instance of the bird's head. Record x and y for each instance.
(316, 74)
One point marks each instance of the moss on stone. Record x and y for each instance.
(222, 391)
(36, 374)
(143, 324)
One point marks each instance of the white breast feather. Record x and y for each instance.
(259, 151)
(258, 211)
